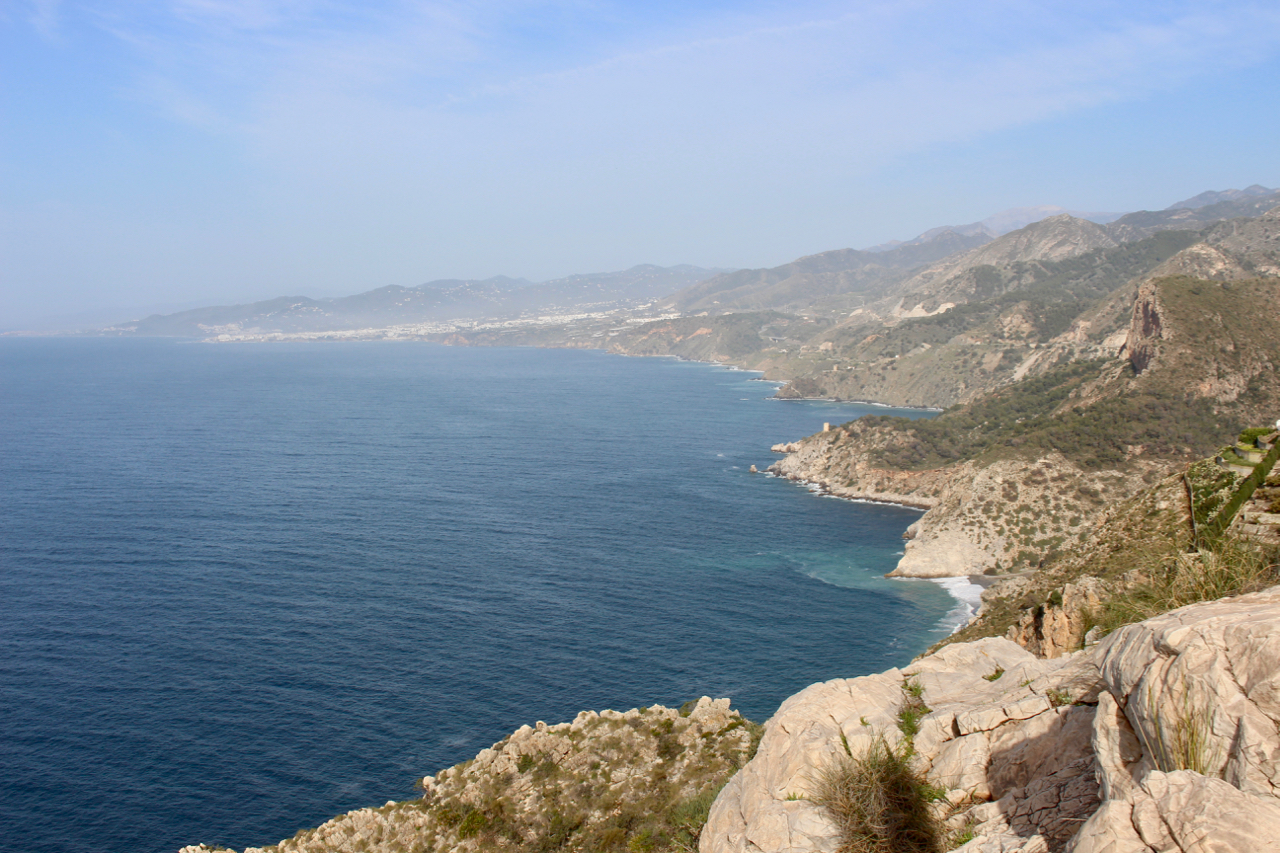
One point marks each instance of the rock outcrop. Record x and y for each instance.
(1163, 737)
(580, 786)
(1060, 627)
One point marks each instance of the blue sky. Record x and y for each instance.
(177, 152)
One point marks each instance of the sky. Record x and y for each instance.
(172, 153)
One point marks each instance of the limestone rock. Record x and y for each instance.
(1054, 630)
(1211, 668)
(757, 812)
(1066, 754)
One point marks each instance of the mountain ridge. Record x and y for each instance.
(835, 285)
(435, 301)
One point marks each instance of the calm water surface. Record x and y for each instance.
(246, 588)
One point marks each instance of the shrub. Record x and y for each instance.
(1058, 698)
(1229, 567)
(1252, 434)
(472, 824)
(879, 803)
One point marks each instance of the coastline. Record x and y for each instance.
(874, 403)
(966, 590)
(820, 488)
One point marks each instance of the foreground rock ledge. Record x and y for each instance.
(522, 793)
(1070, 754)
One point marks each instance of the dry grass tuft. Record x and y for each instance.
(1183, 736)
(879, 802)
(1232, 567)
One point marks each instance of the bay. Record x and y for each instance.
(244, 588)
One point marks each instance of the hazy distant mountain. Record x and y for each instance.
(1020, 217)
(1255, 200)
(1214, 197)
(1056, 291)
(436, 301)
(971, 230)
(1142, 223)
(1000, 223)
(835, 282)
(958, 278)
(812, 281)
(889, 283)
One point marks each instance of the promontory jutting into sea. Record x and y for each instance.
(439, 569)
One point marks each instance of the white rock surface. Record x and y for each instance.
(1072, 753)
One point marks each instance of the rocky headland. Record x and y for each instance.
(1161, 738)
(597, 783)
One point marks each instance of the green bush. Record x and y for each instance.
(879, 803)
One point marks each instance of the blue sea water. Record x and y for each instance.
(244, 588)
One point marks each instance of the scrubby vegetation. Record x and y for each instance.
(639, 782)
(879, 802)
(1231, 566)
(1170, 545)
(648, 785)
(1033, 418)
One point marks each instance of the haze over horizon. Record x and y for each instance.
(191, 152)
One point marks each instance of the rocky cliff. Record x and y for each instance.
(1163, 737)
(981, 516)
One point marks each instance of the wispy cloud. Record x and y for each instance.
(408, 138)
(877, 78)
(44, 16)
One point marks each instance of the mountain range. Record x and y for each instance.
(433, 302)
(845, 294)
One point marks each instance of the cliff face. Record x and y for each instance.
(1161, 738)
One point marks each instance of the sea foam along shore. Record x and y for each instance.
(968, 596)
(967, 591)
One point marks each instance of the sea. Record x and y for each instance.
(247, 587)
